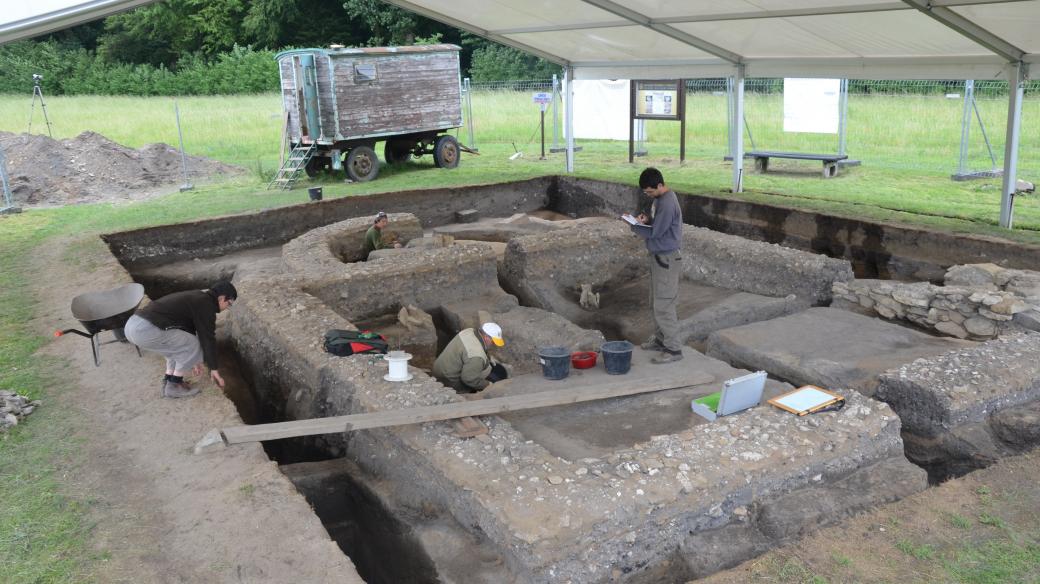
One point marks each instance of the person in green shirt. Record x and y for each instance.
(374, 235)
(465, 364)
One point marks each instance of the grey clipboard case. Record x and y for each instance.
(738, 394)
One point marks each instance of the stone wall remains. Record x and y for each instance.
(979, 301)
(967, 408)
(728, 261)
(324, 250)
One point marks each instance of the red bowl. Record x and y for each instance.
(583, 359)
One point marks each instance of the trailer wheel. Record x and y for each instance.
(446, 152)
(396, 151)
(362, 164)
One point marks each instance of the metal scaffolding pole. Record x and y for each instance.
(969, 96)
(737, 123)
(5, 184)
(843, 126)
(568, 114)
(1016, 90)
(555, 114)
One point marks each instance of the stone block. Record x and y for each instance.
(1029, 320)
(973, 276)
(467, 216)
(832, 348)
(952, 329)
(956, 402)
(980, 326)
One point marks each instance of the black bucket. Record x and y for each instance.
(556, 362)
(617, 356)
(315, 193)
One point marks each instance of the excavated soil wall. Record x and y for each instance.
(876, 250)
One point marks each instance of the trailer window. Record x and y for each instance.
(364, 73)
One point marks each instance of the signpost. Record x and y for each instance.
(658, 100)
(543, 99)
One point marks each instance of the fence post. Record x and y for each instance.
(469, 113)
(969, 94)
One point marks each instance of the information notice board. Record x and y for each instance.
(658, 100)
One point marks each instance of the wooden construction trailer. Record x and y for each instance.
(340, 102)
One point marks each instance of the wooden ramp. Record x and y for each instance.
(513, 403)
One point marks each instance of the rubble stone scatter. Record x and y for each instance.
(14, 408)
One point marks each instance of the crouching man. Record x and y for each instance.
(182, 327)
(465, 364)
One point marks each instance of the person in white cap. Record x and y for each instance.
(465, 364)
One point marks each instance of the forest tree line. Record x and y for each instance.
(211, 47)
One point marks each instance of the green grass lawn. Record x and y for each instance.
(909, 146)
(45, 539)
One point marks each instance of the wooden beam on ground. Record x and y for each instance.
(498, 405)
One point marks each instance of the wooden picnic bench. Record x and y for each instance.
(830, 161)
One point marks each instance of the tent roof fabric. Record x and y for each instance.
(601, 39)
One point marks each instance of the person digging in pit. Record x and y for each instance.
(662, 233)
(465, 364)
(182, 327)
(374, 236)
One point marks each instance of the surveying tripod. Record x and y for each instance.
(38, 91)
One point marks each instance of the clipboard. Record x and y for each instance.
(808, 399)
(634, 222)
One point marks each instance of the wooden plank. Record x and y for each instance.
(469, 427)
(512, 403)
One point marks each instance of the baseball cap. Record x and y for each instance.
(495, 332)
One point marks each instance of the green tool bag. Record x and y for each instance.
(343, 343)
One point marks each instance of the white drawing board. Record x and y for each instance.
(805, 399)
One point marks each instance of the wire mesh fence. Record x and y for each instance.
(899, 124)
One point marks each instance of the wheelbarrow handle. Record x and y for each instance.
(67, 331)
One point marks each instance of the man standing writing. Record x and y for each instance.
(662, 232)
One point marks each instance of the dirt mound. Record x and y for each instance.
(90, 168)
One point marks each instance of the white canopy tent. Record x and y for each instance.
(672, 39)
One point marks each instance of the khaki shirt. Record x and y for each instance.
(464, 364)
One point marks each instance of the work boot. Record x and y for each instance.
(162, 386)
(174, 390)
(652, 344)
(667, 356)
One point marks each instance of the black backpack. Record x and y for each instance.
(343, 343)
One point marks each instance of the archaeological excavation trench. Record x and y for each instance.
(931, 339)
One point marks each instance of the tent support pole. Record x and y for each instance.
(737, 123)
(1016, 89)
(568, 115)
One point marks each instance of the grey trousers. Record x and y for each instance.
(665, 270)
(181, 348)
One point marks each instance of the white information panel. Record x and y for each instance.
(811, 105)
(601, 110)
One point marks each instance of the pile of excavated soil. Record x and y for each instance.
(92, 168)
